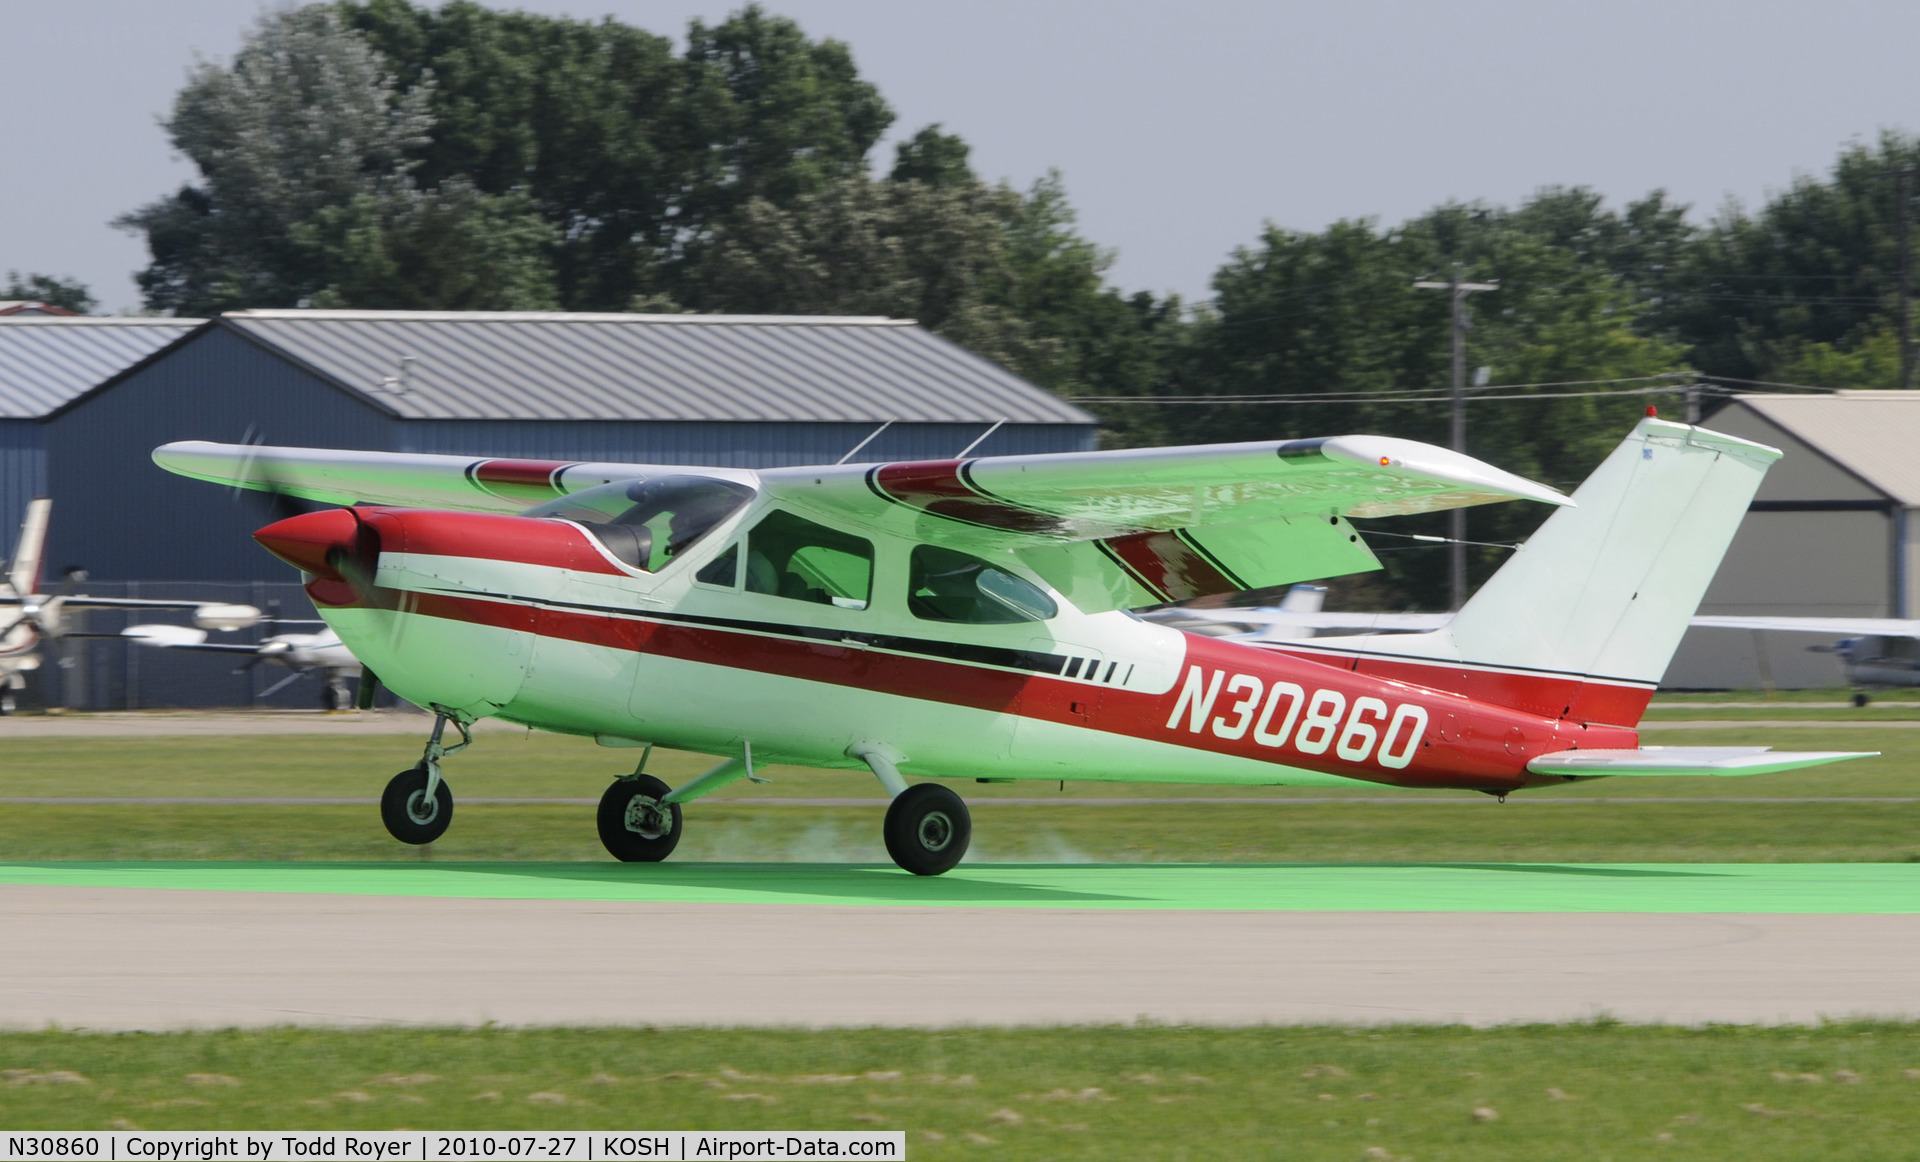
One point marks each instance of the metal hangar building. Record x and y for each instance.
(734, 391)
(1832, 533)
(48, 359)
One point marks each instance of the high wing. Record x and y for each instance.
(1109, 530)
(1833, 626)
(1134, 527)
(404, 479)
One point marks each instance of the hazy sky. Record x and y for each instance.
(1179, 128)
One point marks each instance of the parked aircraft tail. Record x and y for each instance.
(24, 573)
(1605, 589)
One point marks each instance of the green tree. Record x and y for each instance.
(306, 118)
(1332, 317)
(628, 152)
(67, 293)
(1814, 270)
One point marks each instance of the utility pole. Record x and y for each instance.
(1901, 196)
(1459, 291)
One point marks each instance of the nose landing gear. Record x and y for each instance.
(417, 806)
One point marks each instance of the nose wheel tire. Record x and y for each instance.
(635, 825)
(412, 817)
(928, 829)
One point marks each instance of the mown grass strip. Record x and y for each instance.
(1579, 1091)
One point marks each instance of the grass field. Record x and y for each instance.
(1585, 1091)
(1588, 1091)
(1616, 820)
(1053, 823)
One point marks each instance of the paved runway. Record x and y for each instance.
(1002, 945)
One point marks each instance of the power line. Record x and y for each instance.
(1709, 384)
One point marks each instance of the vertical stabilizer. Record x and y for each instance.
(24, 573)
(1606, 588)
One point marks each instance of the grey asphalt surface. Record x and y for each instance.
(103, 958)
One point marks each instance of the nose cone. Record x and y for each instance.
(308, 541)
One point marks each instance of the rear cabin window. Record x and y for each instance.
(792, 557)
(649, 523)
(944, 585)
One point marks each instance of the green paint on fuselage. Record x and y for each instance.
(1833, 888)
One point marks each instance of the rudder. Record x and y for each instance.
(1606, 588)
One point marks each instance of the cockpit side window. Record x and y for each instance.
(790, 556)
(649, 523)
(944, 585)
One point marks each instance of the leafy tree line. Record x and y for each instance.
(382, 154)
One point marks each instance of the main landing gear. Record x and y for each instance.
(417, 806)
(927, 827)
(637, 824)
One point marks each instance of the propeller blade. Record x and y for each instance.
(282, 684)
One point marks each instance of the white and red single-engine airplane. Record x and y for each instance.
(968, 618)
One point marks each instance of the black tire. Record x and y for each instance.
(928, 829)
(334, 698)
(8, 703)
(1861, 698)
(409, 816)
(634, 825)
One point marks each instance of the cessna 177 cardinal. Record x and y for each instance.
(967, 618)
(33, 618)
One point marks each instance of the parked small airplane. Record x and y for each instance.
(302, 653)
(38, 618)
(1299, 615)
(968, 617)
(1876, 652)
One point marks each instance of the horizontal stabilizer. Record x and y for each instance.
(1687, 760)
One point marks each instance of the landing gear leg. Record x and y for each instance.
(927, 828)
(417, 806)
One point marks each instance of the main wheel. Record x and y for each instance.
(928, 829)
(1861, 698)
(334, 697)
(8, 703)
(410, 816)
(635, 825)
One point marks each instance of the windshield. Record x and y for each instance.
(648, 523)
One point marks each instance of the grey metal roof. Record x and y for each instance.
(1872, 433)
(48, 360)
(484, 365)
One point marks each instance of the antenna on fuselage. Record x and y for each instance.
(981, 440)
(870, 438)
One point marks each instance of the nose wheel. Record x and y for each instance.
(417, 806)
(414, 812)
(636, 824)
(927, 829)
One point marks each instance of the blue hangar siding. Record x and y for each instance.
(123, 519)
(23, 476)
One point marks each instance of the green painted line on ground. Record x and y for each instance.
(1835, 888)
